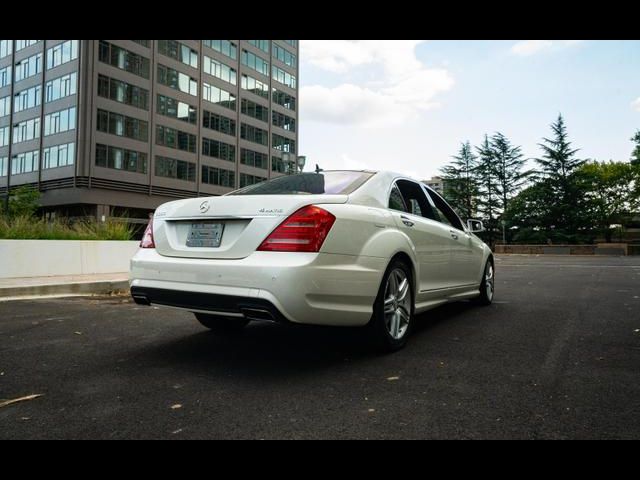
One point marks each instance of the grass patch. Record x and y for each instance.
(26, 227)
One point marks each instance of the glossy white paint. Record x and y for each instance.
(336, 286)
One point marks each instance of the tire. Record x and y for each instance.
(487, 284)
(389, 331)
(222, 325)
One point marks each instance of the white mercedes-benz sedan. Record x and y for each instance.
(342, 247)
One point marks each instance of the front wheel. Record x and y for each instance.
(391, 322)
(222, 325)
(487, 285)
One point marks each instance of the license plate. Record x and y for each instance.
(205, 234)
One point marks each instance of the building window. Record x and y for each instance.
(62, 53)
(226, 47)
(60, 121)
(177, 139)
(293, 43)
(5, 106)
(218, 149)
(177, 80)
(254, 110)
(5, 48)
(178, 51)
(123, 59)
(219, 123)
(283, 121)
(4, 164)
(173, 168)
(144, 43)
(221, 97)
(28, 67)
(277, 165)
(121, 159)
(170, 107)
(254, 134)
(261, 44)
(246, 180)
(285, 56)
(283, 77)
(61, 87)
(255, 62)
(27, 130)
(28, 98)
(5, 76)
(123, 92)
(284, 99)
(4, 136)
(255, 86)
(25, 162)
(58, 155)
(218, 176)
(122, 126)
(219, 70)
(282, 143)
(253, 159)
(20, 44)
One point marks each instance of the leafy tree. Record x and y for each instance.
(488, 202)
(23, 201)
(611, 193)
(461, 186)
(557, 164)
(508, 164)
(635, 155)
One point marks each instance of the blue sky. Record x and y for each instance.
(407, 105)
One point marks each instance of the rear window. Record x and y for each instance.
(332, 183)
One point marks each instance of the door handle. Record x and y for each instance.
(453, 234)
(406, 221)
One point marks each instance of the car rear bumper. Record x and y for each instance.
(312, 288)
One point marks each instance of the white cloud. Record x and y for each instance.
(636, 104)
(530, 47)
(405, 88)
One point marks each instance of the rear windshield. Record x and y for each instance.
(332, 183)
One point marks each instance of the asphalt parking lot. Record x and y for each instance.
(556, 356)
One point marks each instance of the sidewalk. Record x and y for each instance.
(29, 287)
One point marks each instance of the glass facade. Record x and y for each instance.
(25, 162)
(254, 110)
(178, 51)
(255, 62)
(28, 67)
(120, 159)
(283, 143)
(177, 139)
(283, 77)
(122, 125)
(221, 97)
(26, 99)
(219, 123)
(255, 86)
(284, 55)
(5, 76)
(5, 106)
(254, 134)
(60, 121)
(62, 53)
(226, 47)
(4, 136)
(56, 156)
(218, 176)
(283, 121)
(177, 80)
(123, 92)
(6, 48)
(123, 59)
(61, 87)
(218, 149)
(170, 107)
(261, 44)
(253, 159)
(4, 165)
(246, 179)
(219, 70)
(20, 44)
(27, 130)
(173, 168)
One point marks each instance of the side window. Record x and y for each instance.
(395, 200)
(415, 199)
(444, 212)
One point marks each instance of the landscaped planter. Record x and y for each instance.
(38, 258)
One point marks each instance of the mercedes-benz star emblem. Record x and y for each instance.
(204, 206)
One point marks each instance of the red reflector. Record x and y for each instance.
(303, 231)
(147, 238)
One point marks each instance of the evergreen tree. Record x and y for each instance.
(508, 164)
(487, 204)
(558, 165)
(460, 183)
(635, 155)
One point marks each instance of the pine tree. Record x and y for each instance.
(558, 165)
(487, 205)
(460, 182)
(508, 164)
(635, 155)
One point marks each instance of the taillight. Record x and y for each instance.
(304, 231)
(147, 238)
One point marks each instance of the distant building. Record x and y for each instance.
(103, 127)
(436, 183)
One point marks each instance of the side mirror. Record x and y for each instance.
(475, 226)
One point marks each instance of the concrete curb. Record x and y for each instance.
(61, 289)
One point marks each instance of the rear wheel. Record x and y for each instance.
(391, 322)
(223, 325)
(487, 285)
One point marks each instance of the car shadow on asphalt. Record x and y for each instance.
(274, 351)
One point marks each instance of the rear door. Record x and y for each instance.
(411, 211)
(466, 255)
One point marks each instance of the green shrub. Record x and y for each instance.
(29, 227)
